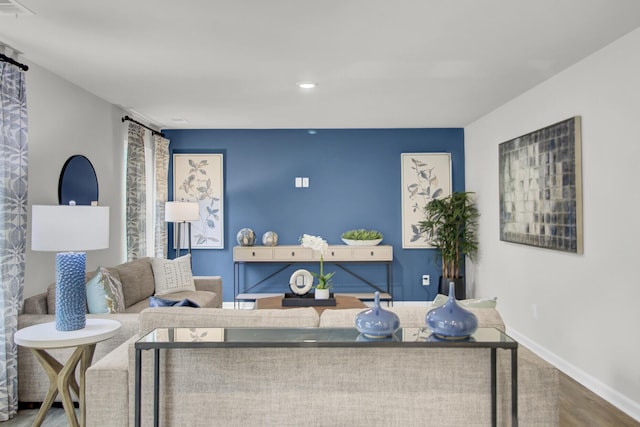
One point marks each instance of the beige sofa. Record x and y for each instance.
(137, 284)
(366, 386)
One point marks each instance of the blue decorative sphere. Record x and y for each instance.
(270, 238)
(246, 237)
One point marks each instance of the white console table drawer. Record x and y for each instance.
(292, 253)
(337, 253)
(252, 253)
(373, 253)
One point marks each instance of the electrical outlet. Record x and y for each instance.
(426, 280)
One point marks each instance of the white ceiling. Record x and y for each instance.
(378, 63)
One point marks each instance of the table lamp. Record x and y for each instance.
(181, 213)
(69, 230)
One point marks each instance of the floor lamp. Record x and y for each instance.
(180, 213)
(70, 230)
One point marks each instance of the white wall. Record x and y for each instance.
(588, 317)
(65, 120)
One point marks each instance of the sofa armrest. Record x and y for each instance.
(107, 388)
(36, 304)
(211, 284)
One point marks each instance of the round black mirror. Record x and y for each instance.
(78, 182)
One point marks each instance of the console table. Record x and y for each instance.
(221, 338)
(339, 255)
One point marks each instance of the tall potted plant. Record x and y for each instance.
(450, 225)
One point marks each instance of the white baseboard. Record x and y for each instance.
(622, 402)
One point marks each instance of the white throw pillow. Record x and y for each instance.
(173, 276)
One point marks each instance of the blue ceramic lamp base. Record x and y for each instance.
(70, 291)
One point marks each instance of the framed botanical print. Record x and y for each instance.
(425, 176)
(199, 178)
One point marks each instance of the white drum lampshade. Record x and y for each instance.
(70, 230)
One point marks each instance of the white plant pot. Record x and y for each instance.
(322, 293)
(362, 242)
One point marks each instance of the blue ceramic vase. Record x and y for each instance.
(450, 321)
(377, 322)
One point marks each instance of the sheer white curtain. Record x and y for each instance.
(161, 163)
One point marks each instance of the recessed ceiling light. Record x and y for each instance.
(307, 85)
(179, 121)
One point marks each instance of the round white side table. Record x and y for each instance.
(44, 336)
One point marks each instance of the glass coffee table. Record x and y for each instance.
(188, 338)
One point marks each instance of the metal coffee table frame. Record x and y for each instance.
(165, 338)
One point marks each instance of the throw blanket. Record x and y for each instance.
(159, 302)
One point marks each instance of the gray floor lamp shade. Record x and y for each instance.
(70, 230)
(180, 213)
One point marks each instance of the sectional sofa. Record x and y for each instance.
(370, 386)
(138, 285)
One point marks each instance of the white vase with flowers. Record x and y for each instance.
(317, 243)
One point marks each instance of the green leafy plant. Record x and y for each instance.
(450, 225)
(362, 234)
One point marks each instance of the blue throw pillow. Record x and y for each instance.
(159, 302)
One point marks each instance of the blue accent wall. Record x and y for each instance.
(355, 182)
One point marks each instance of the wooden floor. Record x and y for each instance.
(55, 418)
(579, 407)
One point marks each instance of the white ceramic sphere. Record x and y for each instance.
(270, 238)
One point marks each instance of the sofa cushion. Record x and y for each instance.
(165, 317)
(104, 293)
(137, 280)
(51, 298)
(173, 276)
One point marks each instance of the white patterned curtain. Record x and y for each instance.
(13, 233)
(161, 162)
(136, 194)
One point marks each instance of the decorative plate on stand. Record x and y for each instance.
(301, 282)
